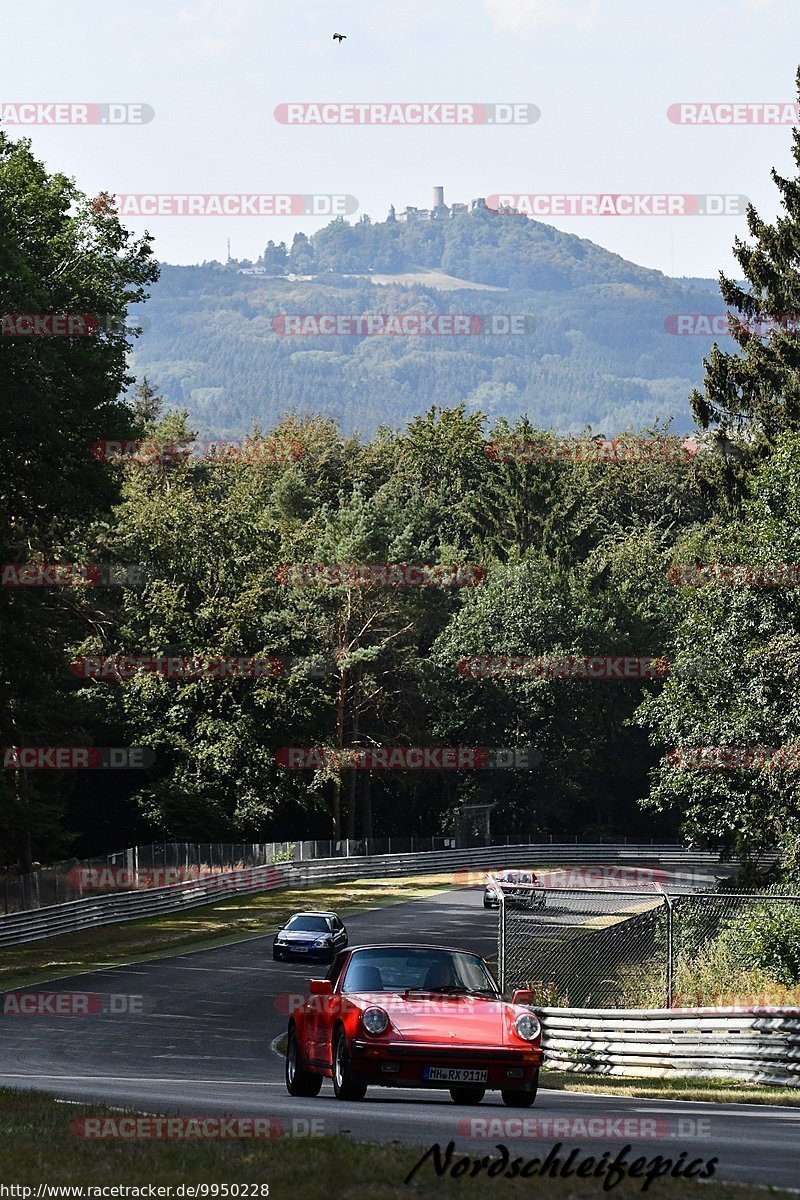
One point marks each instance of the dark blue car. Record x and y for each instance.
(316, 936)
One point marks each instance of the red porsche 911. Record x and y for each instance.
(413, 1017)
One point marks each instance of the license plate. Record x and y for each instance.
(299, 949)
(454, 1075)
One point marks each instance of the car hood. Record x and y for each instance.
(300, 935)
(435, 1018)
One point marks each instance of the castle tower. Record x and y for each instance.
(438, 198)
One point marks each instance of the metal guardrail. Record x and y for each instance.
(162, 863)
(760, 1045)
(90, 912)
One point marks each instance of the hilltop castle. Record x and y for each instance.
(439, 210)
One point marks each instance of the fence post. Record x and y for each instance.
(501, 948)
(670, 968)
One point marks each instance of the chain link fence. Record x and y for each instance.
(643, 947)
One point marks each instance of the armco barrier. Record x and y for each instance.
(90, 912)
(761, 1045)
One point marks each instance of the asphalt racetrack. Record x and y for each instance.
(199, 1043)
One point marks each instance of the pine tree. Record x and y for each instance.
(147, 405)
(756, 393)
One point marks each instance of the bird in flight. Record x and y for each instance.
(340, 36)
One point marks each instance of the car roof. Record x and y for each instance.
(311, 912)
(415, 946)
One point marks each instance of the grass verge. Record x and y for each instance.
(39, 1147)
(713, 1091)
(232, 919)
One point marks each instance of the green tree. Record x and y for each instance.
(734, 678)
(592, 771)
(275, 258)
(59, 254)
(146, 404)
(302, 259)
(756, 393)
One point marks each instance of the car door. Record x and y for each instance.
(319, 1017)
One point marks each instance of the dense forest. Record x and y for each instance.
(600, 345)
(579, 558)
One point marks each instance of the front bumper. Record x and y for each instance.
(400, 1064)
(312, 954)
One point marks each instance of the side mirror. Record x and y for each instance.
(523, 996)
(321, 987)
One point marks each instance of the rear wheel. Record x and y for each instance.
(345, 1084)
(298, 1081)
(467, 1095)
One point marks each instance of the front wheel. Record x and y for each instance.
(345, 1084)
(298, 1081)
(518, 1098)
(465, 1095)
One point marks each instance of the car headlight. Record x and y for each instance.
(281, 941)
(528, 1027)
(375, 1020)
(323, 941)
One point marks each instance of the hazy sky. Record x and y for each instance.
(602, 72)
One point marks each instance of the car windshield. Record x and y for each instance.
(393, 969)
(301, 924)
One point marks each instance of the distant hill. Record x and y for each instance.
(598, 353)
